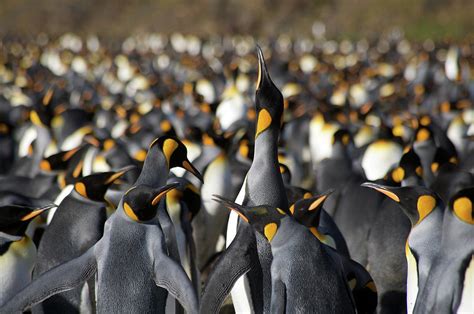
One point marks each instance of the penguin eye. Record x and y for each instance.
(263, 122)
(462, 208)
(398, 174)
(425, 205)
(270, 230)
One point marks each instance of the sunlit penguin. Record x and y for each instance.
(425, 211)
(310, 213)
(146, 266)
(77, 225)
(17, 250)
(263, 185)
(450, 285)
(297, 253)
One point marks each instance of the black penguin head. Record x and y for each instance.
(140, 203)
(417, 202)
(461, 205)
(175, 153)
(409, 169)
(307, 211)
(268, 99)
(443, 158)
(14, 219)
(95, 186)
(189, 194)
(264, 219)
(60, 161)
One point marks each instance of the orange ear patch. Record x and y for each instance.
(263, 122)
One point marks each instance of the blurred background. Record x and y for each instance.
(115, 19)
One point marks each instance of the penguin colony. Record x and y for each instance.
(174, 174)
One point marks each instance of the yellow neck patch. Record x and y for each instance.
(425, 205)
(81, 189)
(169, 146)
(129, 212)
(422, 135)
(398, 174)
(270, 231)
(263, 122)
(463, 209)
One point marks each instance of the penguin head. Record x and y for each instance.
(264, 219)
(461, 205)
(140, 203)
(60, 161)
(95, 186)
(307, 211)
(342, 142)
(417, 202)
(175, 153)
(409, 170)
(14, 219)
(443, 158)
(268, 99)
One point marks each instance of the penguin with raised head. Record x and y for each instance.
(425, 210)
(304, 275)
(262, 185)
(17, 250)
(77, 225)
(146, 267)
(449, 288)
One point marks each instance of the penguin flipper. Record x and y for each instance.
(278, 304)
(59, 279)
(171, 276)
(233, 263)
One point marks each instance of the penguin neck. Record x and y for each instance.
(155, 170)
(266, 145)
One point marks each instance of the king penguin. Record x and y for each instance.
(77, 225)
(246, 250)
(450, 285)
(304, 275)
(425, 211)
(17, 250)
(145, 267)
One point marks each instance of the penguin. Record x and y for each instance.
(310, 213)
(262, 185)
(425, 211)
(165, 153)
(133, 229)
(17, 250)
(77, 225)
(449, 288)
(425, 147)
(304, 275)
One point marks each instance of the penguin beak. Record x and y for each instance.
(37, 212)
(262, 68)
(189, 166)
(382, 189)
(92, 141)
(160, 193)
(231, 206)
(319, 200)
(118, 174)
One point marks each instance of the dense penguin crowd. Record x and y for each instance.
(172, 174)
